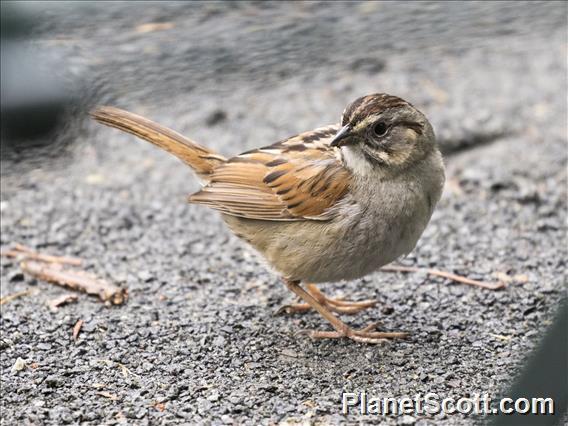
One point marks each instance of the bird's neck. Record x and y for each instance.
(367, 172)
(356, 163)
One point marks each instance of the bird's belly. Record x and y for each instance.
(363, 250)
(315, 251)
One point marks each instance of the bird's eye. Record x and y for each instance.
(380, 129)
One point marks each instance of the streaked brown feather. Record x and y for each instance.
(296, 179)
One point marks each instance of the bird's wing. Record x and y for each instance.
(296, 179)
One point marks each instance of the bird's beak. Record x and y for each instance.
(340, 138)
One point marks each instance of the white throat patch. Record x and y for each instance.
(355, 161)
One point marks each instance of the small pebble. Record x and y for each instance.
(19, 365)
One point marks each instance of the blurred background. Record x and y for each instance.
(471, 67)
(491, 76)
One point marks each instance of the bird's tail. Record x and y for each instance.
(202, 160)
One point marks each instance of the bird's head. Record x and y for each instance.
(383, 131)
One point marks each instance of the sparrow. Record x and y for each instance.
(335, 203)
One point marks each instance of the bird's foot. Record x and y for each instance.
(336, 305)
(365, 335)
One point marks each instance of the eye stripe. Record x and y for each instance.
(417, 127)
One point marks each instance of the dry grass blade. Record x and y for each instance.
(23, 252)
(76, 280)
(444, 274)
(13, 296)
(123, 368)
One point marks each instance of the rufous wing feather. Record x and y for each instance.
(297, 179)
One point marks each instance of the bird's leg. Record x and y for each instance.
(365, 335)
(335, 305)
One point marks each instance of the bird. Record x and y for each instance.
(330, 204)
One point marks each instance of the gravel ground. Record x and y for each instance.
(197, 341)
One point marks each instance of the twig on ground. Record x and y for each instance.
(108, 395)
(123, 368)
(23, 252)
(501, 337)
(49, 268)
(65, 299)
(76, 280)
(77, 329)
(444, 274)
(13, 296)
